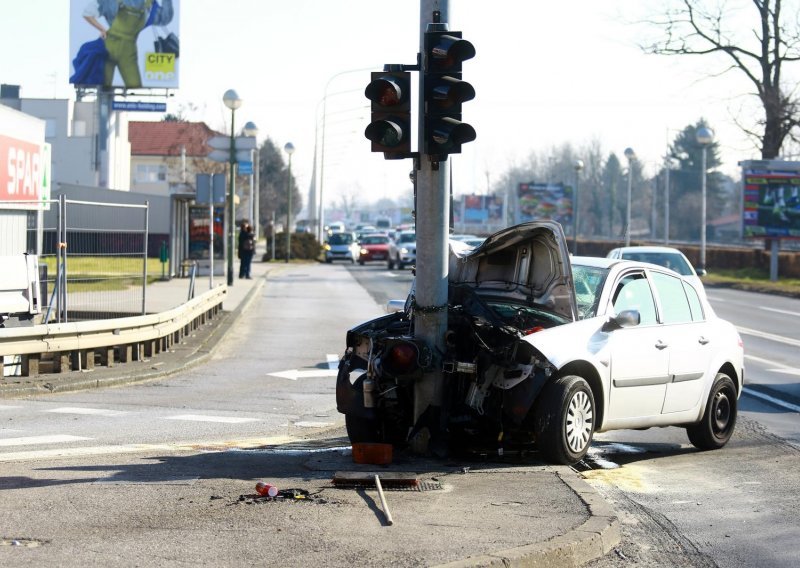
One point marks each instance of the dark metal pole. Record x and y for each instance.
(289, 210)
(231, 205)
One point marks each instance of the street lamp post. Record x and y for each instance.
(704, 137)
(578, 168)
(232, 101)
(631, 155)
(250, 129)
(289, 149)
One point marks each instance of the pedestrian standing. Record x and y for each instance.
(247, 248)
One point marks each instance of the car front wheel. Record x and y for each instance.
(564, 419)
(719, 417)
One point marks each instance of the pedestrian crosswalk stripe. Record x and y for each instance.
(88, 411)
(31, 440)
(203, 418)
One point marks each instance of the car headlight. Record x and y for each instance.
(364, 251)
(327, 246)
(404, 250)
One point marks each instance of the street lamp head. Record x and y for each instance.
(630, 154)
(578, 165)
(704, 136)
(289, 148)
(250, 129)
(231, 99)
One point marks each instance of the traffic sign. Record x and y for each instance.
(245, 168)
(224, 142)
(225, 156)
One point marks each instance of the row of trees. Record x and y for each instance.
(603, 185)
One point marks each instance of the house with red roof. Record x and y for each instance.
(166, 156)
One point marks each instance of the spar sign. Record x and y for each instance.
(21, 170)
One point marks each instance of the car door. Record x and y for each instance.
(639, 362)
(688, 338)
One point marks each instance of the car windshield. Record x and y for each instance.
(407, 238)
(374, 240)
(589, 282)
(526, 318)
(671, 260)
(340, 239)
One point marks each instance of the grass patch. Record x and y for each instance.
(102, 273)
(752, 279)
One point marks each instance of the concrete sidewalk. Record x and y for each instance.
(485, 513)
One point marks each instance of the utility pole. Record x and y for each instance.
(440, 133)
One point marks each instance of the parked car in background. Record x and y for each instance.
(341, 246)
(667, 257)
(546, 349)
(403, 250)
(374, 246)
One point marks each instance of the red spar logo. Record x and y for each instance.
(20, 170)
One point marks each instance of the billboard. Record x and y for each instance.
(771, 198)
(541, 201)
(24, 161)
(482, 209)
(124, 43)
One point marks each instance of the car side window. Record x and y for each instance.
(633, 293)
(674, 303)
(694, 302)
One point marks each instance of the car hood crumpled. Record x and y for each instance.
(527, 263)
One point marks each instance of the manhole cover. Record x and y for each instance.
(26, 542)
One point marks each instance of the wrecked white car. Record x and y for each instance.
(547, 350)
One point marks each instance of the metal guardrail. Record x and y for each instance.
(73, 346)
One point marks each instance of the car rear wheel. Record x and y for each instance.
(390, 264)
(564, 419)
(719, 417)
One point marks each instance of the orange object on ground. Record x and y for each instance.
(372, 453)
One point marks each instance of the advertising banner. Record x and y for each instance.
(543, 201)
(23, 171)
(771, 200)
(130, 44)
(199, 243)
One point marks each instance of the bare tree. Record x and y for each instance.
(698, 27)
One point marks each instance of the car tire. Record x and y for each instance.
(361, 262)
(328, 260)
(564, 419)
(360, 429)
(719, 418)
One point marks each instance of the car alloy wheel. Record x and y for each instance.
(564, 419)
(578, 426)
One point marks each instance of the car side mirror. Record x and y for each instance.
(626, 318)
(701, 271)
(393, 306)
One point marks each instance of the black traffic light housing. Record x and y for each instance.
(390, 127)
(445, 92)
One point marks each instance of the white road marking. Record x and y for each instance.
(787, 312)
(333, 360)
(294, 374)
(786, 371)
(217, 446)
(88, 411)
(204, 418)
(770, 336)
(308, 424)
(772, 400)
(8, 407)
(32, 440)
(715, 299)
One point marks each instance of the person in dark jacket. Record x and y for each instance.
(247, 247)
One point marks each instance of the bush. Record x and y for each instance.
(305, 246)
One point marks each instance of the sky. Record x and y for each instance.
(545, 74)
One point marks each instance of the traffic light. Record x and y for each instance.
(445, 92)
(390, 129)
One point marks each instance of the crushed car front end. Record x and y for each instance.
(517, 283)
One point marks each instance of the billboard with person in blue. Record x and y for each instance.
(130, 44)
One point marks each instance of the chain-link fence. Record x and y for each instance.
(92, 257)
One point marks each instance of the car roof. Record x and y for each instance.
(649, 249)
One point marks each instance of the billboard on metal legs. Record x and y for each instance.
(771, 198)
(131, 44)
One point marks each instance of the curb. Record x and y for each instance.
(589, 541)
